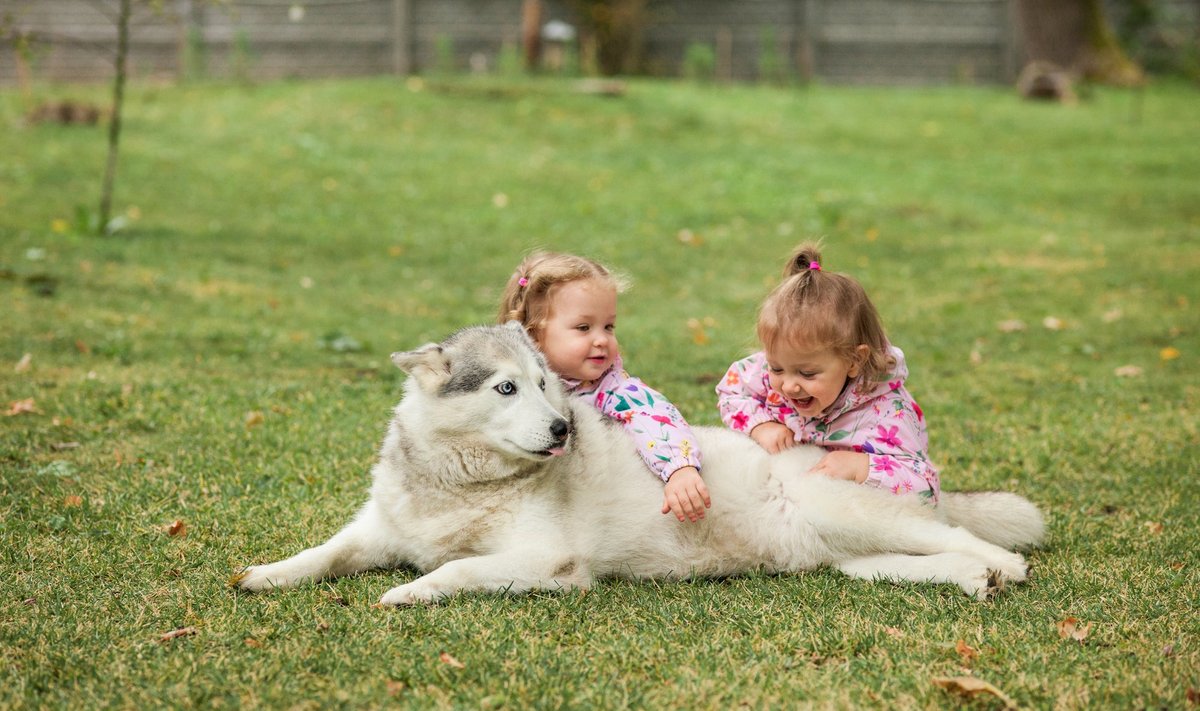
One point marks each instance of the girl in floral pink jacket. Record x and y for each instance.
(568, 304)
(827, 375)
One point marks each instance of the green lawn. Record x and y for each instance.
(222, 361)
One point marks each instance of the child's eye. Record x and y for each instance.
(583, 327)
(610, 327)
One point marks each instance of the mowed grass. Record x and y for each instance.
(223, 361)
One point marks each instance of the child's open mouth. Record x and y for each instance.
(804, 403)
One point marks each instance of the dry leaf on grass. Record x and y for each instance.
(177, 528)
(1053, 323)
(1012, 325)
(1128, 371)
(971, 687)
(449, 660)
(1110, 316)
(176, 633)
(251, 642)
(1154, 527)
(23, 364)
(73, 501)
(893, 632)
(395, 687)
(1169, 353)
(965, 651)
(1070, 628)
(22, 407)
(254, 418)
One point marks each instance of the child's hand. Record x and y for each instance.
(685, 495)
(773, 437)
(843, 464)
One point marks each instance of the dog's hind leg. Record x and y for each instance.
(361, 545)
(964, 570)
(511, 572)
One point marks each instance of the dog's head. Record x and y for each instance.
(489, 385)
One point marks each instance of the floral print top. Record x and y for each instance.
(664, 440)
(879, 418)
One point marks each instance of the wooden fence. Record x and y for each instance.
(837, 41)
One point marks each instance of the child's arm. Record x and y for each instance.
(663, 439)
(891, 449)
(742, 398)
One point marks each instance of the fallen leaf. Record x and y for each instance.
(1169, 650)
(971, 687)
(1070, 628)
(965, 651)
(893, 632)
(60, 446)
(451, 661)
(322, 626)
(176, 633)
(23, 364)
(975, 357)
(500, 200)
(1128, 371)
(1155, 527)
(254, 418)
(1193, 695)
(251, 642)
(82, 347)
(1053, 323)
(29, 601)
(1011, 326)
(691, 239)
(699, 335)
(22, 407)
(1169, 353)
(73, 501)
(177, 528)
(1177, 565)
(395, 687)
(396, 250)
(1110, 316)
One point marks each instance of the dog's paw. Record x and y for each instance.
(1010, 568)
(257, 578)
(414, 593)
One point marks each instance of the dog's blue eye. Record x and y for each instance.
(506, 388)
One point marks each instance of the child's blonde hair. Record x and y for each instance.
(529, 290)
(814, 308)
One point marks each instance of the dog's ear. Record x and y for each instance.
(429, 364)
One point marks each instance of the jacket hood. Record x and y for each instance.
(860, 391)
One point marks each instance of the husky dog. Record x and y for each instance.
(492, 479)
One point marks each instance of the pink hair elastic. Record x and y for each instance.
(523, 281)
(815, 266)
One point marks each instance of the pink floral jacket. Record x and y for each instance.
(879, 418)
(663, 439)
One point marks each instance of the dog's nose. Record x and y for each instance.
(559, 429)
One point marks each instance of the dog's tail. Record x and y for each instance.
(1008, 520)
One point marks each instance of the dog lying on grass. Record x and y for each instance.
(491, 479)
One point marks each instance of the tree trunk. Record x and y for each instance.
(1076, 36)
(114, 125)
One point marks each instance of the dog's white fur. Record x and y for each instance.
(470, 490)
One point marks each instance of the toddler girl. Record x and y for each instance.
(568, 304)
(828, 376)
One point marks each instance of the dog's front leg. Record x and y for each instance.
(363, 544)
(509, 572)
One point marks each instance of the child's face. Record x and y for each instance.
(579, 337)
(811, 378)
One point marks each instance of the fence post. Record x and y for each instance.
(401, 37)
(1011, 43)
(809, 34)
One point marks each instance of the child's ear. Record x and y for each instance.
(861, 352)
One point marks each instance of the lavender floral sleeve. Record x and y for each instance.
(663, 438)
